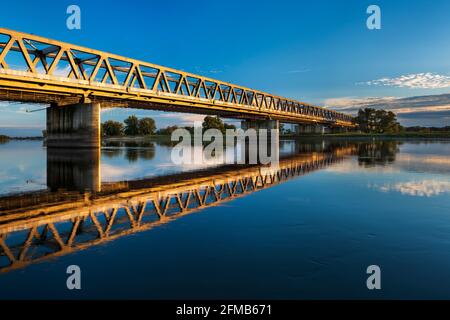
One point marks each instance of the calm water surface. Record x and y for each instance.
(335, 208)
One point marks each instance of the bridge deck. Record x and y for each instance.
(40, 70)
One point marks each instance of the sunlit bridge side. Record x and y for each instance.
(37, 69)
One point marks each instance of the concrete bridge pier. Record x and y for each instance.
(339, 130)
(266, 150)
(260, 124)
(311, 128)
(73, 126)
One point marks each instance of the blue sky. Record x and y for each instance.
(315, 51)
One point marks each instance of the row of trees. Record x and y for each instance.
(216, 123)
(377, 121)
(369, 120)
(208, 123)
(427, 129)
(132, 126)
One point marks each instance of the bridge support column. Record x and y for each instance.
(260, 124)
(310, 128)
(271, 145)
(73, 126)
(339, 130)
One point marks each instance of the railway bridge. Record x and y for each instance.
(77, 82)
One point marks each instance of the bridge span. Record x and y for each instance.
(77, 82)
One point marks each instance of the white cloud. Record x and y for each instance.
(352, 167)
(111, 172)
(402, 106)
(185, 118)
(424, 188)
(354, 103)
(427, 80)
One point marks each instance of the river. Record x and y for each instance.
(308, 228)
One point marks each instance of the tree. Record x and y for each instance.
(167, 131)
(146, 126)
(377, 121)
(388, 122)
(131, 126)
(112, 128)
(213, 123)
(216, 123)
(4, 139)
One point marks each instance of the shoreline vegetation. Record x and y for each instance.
(166, 138)
(4, 138)
(396, 135)
(438, 134)
(371, 124)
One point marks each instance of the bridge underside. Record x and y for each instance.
(74, 121)
(160, 104)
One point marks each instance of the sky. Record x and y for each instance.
(319, 52)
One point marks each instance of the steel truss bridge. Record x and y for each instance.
(38, 226)
(39, 70)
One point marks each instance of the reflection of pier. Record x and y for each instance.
(77, 170)
(42, 225)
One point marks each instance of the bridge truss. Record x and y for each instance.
(37, 69)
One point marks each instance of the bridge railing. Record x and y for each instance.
(42, 59)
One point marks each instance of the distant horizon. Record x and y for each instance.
(35, 131)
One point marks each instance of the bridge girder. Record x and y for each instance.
(57, 72)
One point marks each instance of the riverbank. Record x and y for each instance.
(352, 135)
(150, 138)
(349, 135)
(4, 138)
(402, 135)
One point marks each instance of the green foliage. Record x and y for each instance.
(216, 123)
(213, 123)
(167, 131)
(112, 128)
(377, 121)
(427, 129)
(146, 126)
(4, 139)
(131, 126)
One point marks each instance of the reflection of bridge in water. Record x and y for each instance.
(38, 226)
